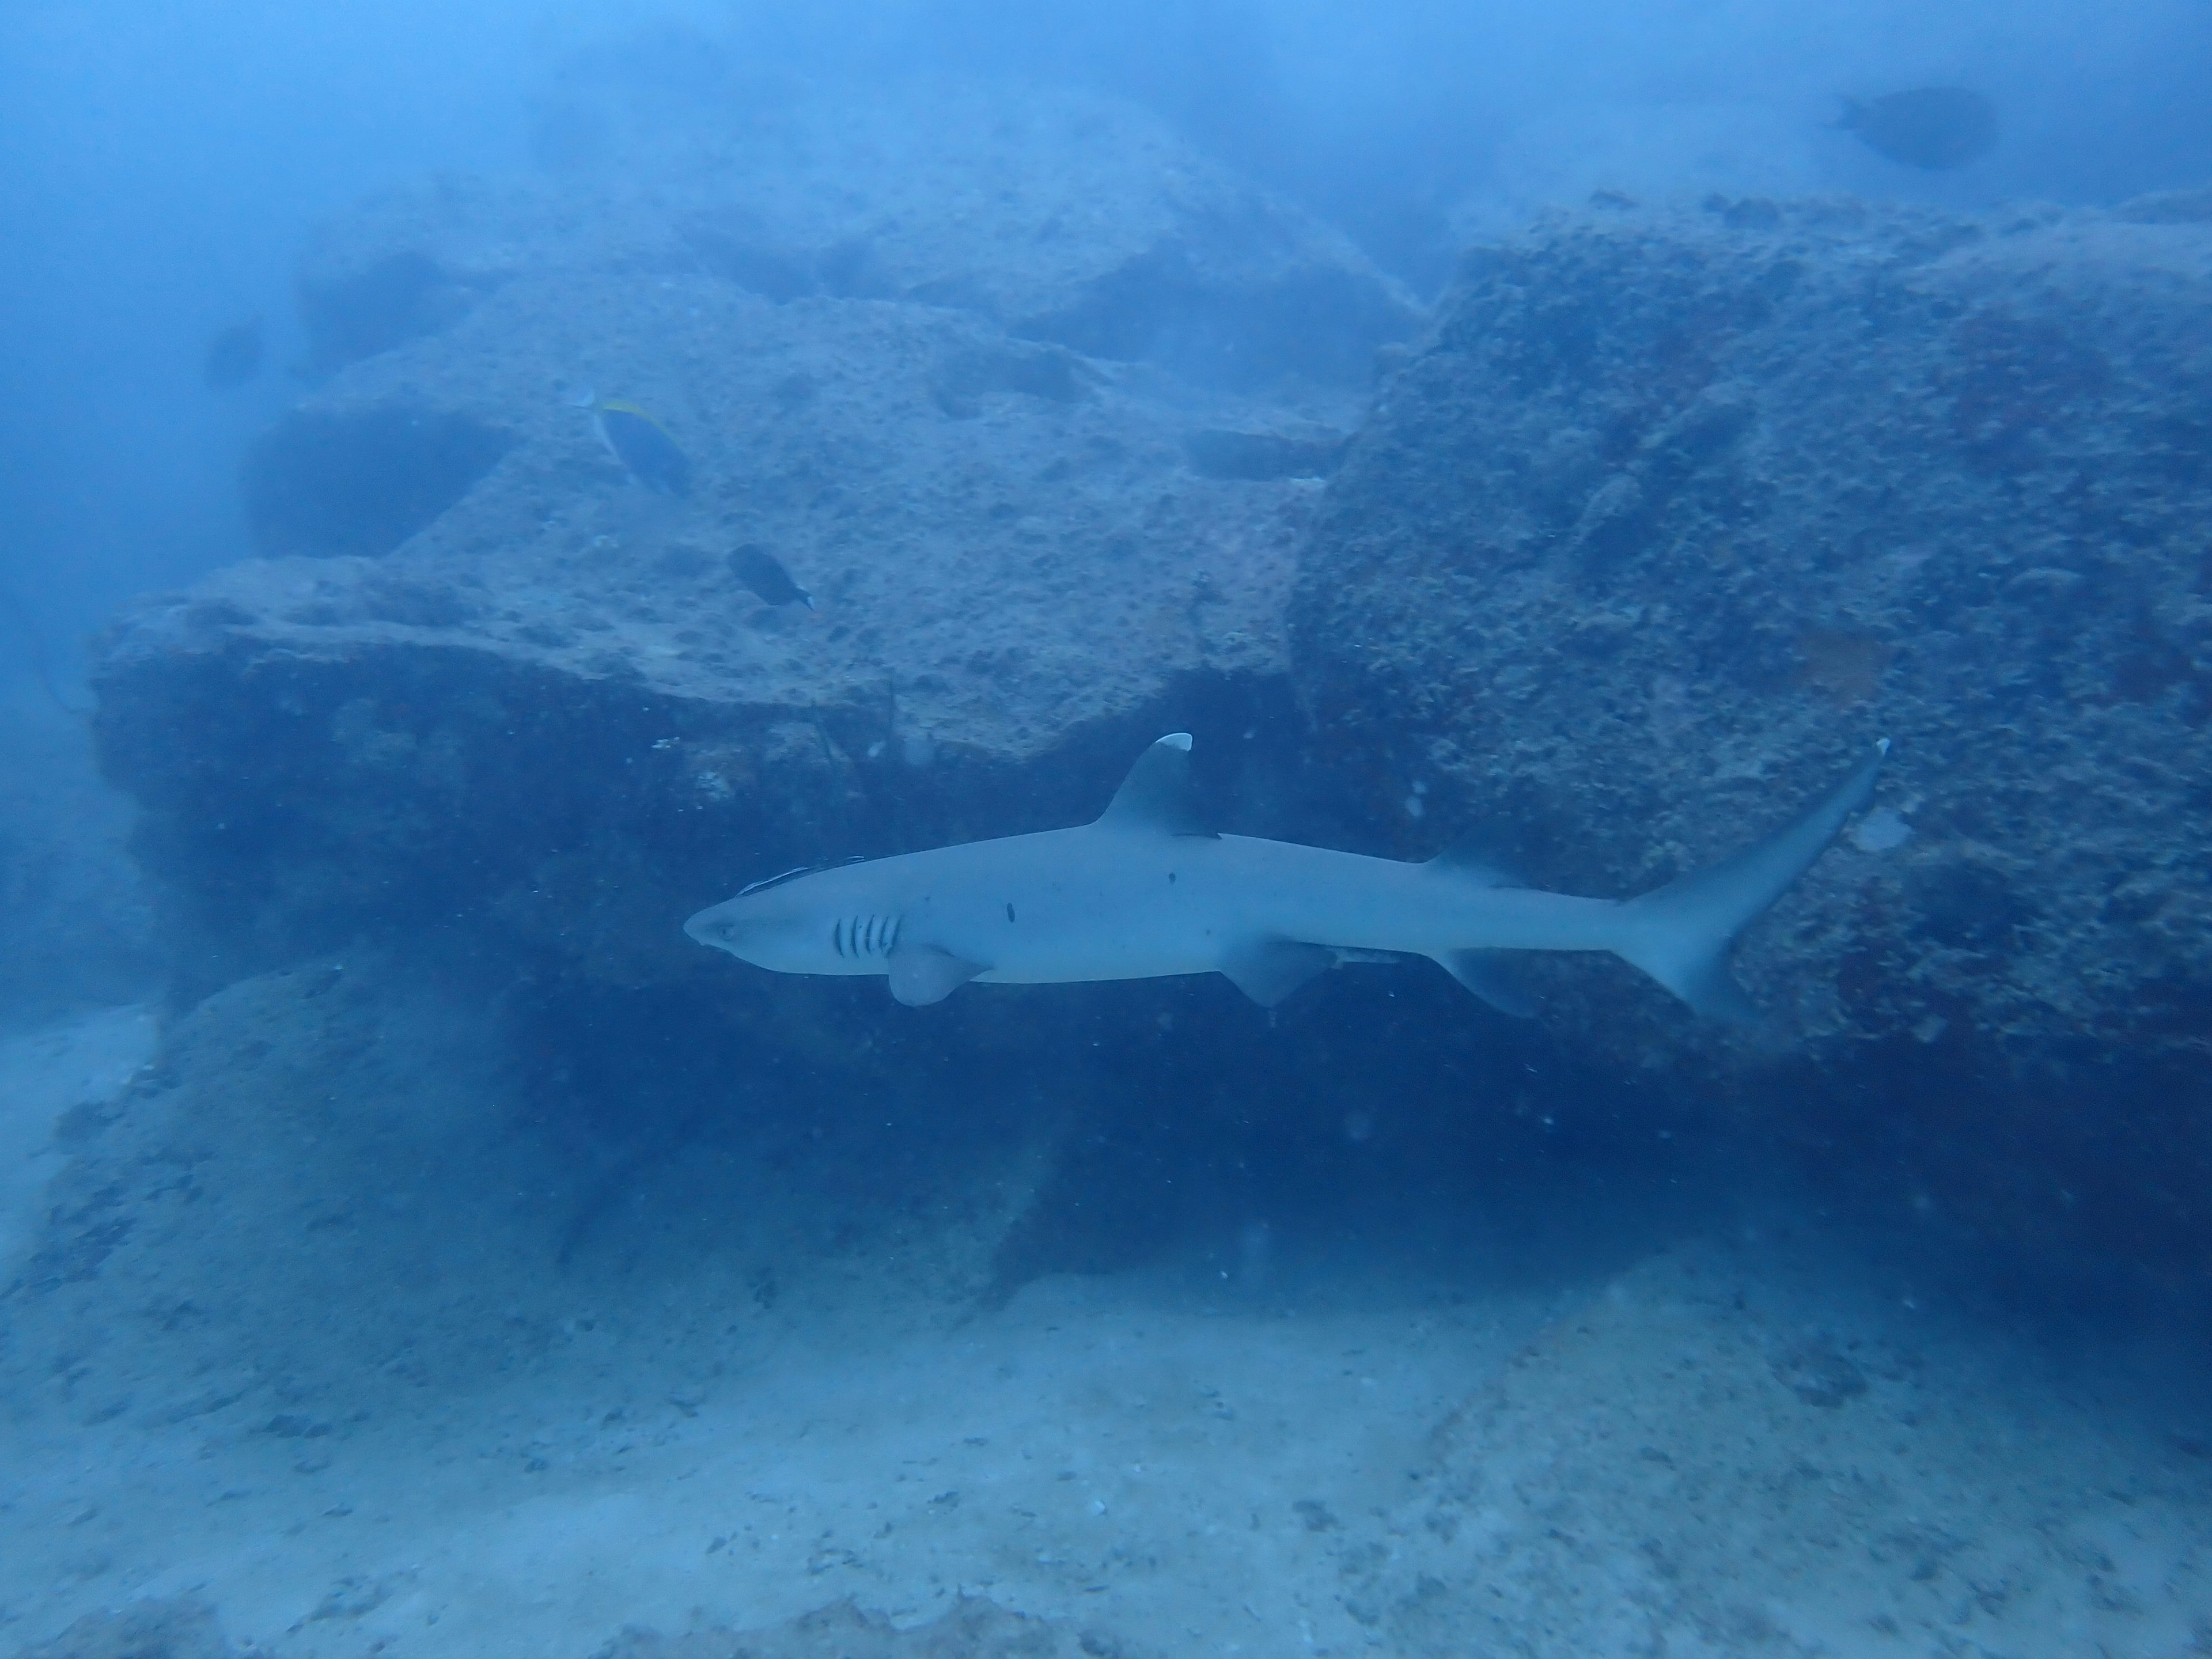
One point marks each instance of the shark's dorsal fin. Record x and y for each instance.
(1157, 795)
(1471, 861)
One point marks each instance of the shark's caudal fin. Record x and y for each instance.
(1681, 935)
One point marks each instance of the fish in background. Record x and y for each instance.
(639, 442)
(1933, 128)
(761, 571)
(233, 355)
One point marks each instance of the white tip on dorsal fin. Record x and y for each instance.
(1157, 795)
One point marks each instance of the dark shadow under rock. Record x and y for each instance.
(363, 481)
(360, 313)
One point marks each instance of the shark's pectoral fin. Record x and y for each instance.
(1267, 971)
(1491, 977)
(923, 974)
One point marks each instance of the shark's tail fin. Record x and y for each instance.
(1681, 933)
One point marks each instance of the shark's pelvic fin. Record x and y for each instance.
(1490, 975)
(1268, 970)
(1157, 795)
(1681, 935)
(923, 974)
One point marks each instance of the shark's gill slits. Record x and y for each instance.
(873, 935)
(865, 936)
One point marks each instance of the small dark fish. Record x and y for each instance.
(234, 354)
(1935, 128)
(761, 571)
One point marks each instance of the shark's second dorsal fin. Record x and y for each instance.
(1157, 795)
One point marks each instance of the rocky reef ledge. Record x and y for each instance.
(1654, 523)
(1671, 514)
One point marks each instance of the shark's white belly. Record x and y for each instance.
(1161, 910)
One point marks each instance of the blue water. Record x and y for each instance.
(410, 1242)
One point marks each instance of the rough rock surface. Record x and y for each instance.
(1670, 515)
(1005, 540)
(1682, 1467)
(263, 1227)
(155, 1628)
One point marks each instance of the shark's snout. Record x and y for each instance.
(713, 927)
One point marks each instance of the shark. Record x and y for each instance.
(1150, 889)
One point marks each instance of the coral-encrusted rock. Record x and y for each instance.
(1005, 539)
(1671, 516)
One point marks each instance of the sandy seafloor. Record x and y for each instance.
(1742, 1439)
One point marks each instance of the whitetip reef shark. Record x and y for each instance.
(1149, 889)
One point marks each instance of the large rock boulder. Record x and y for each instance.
(1059, 216)
(1032, 542)
(1670, 515)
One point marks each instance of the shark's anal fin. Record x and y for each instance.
(1268, 970)
(1157, 795)
(1490, 975)
(923, 974)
